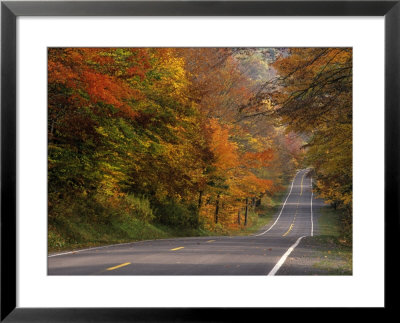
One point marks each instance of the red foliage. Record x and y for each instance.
(94, 71)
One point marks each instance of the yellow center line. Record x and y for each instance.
(119, 266)
(177, 248)
(210, 240)
(291, 226)
(297, 207)
(301, 185)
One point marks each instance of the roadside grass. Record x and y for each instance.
(73, 235)
(328, 222)
(334, 253)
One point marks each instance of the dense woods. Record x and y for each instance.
(191, 138)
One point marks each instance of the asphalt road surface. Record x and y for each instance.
(260, 254)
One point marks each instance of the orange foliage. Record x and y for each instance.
(225, 152)
(96, 72)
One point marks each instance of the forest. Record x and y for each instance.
(193, 140)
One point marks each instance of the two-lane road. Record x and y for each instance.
(259, 254)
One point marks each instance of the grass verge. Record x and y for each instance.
(73, 235)
(335, 253)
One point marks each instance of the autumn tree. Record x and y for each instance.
(162, 134)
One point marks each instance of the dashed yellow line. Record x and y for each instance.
(301, 185)
(291, 227)
(177, 248)
(294, 219)
(298, 200)
(210, 240)
(119, 266)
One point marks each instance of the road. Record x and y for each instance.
(260, 254)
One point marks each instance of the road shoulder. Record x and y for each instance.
(318, 255)
(323, 254)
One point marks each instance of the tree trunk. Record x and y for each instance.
(246, 212)
(217, 209)
(200, 197)
(239, 217)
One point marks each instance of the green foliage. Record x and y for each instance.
(139, 208)
(173, 213)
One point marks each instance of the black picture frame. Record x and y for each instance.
(10, 10)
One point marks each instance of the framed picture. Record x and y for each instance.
(51, 51)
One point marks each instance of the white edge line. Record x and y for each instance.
(312, 223)
(283, 258)
(127, 243)
(256, 235)
(93, 248)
